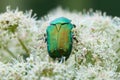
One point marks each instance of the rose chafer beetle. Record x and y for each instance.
(59, 38)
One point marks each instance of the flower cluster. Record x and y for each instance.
(17, 33)
(94, 57)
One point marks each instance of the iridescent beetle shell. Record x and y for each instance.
(59, 38)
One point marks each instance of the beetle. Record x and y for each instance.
(59, 38)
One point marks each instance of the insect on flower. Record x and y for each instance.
(59, 38)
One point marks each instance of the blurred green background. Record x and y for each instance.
(42, 7)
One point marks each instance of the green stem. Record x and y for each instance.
(23, 46)
(76, 62)
(118, 50)
(9, 52)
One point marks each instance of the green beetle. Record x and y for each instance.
(59, 38)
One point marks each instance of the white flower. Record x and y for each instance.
(17, 33)
(94, 57)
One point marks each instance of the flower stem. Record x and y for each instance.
(9, 52)
(23, 46)
(118, 50)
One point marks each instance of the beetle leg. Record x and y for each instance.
(74, 25)
(74, 35)
(45, 37)
(62, 59)
(75, 38)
